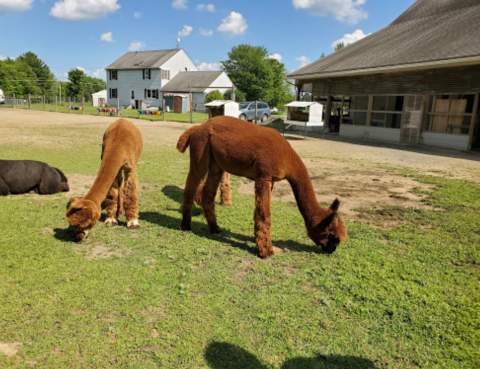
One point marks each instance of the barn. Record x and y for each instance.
(416, 80)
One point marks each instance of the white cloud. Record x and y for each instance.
(107, 37)
(206, 7)
(3, 57)
(185, 31)
(137, 15)
(83, 9)
(209, 66)
(100, 73)
(82, 69)
(234, 24)
(303, 60)
(136, 46)
(348, 11)
(350, 38)
(275, 56)
(180, 4)
(206, 32)
(14, 5)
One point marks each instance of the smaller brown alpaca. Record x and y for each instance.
(225, 192)
(121, 148)
(226, 144)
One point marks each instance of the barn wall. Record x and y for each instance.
(375, 133)
(459, 142)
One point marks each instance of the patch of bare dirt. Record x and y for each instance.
(154, 313)
(247, 264)
(357, 187)
(79, 185)
(9, 349)
(98, 251)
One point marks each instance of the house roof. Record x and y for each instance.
(431, 33)
(143, 59)
(199, 81)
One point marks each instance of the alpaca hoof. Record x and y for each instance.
(226, 203)
(82, 235)
(186, 228)
(133, 224)
(111, 222)
(214, 229)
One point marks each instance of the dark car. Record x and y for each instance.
(247, 111)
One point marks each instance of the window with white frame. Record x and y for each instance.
(165, 74)
(147, 74)
(151, 94)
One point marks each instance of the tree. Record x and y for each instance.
(339, 46)
(239, 95)
(248, 69)
(322, 55)
(44, 78)
(76, 87)
(213, 95)
(280, 91)
(92, 85)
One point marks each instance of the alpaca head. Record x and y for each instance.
(330, 231)
(82, 215)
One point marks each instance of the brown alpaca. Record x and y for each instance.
(226, 144)
(121, 148)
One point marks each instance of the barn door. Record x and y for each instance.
(412, 119)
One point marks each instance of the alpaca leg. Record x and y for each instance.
(208, 196)
(198, 194)
(225, 192)
(262, 218)
(4, 190)
(130, 199)
(193, 181)
(113, 197)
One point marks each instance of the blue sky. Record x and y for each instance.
(91, 34)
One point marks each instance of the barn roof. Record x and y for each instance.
(199, 81)
(143, 59)
(431, 33)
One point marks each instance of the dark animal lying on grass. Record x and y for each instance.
(24, 176)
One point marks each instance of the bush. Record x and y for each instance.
(213, 95)
(239, 95)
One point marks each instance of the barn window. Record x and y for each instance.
(387, 111)
(165, 74)
(355, 111)
(113, 75)
(113, 93)
(450, 114)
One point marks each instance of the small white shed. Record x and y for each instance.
(306, 114)
(99, 99)
(223, 107)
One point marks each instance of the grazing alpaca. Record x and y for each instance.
(264, 156)
(24, 176)
(122, 146)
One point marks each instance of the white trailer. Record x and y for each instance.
(306, 114)
(223, 107)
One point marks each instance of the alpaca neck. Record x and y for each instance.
(302, 188)
(105, 177)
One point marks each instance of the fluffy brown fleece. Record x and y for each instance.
(225, 192)
(122, 146)
(226, 144)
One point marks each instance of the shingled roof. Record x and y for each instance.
(431, 33)
(199, 81)
(143, 59)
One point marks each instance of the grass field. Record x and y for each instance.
(396, 297)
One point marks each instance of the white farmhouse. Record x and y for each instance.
(137, 78)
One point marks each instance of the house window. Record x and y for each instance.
(165, 74)
(113, 93)
(113, 75)
(147, 74)
(151, 94)
(133, 94)
(450, 114)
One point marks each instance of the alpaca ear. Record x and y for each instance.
(335, 205)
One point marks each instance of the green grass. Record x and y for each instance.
(406, 297)
(130, 113)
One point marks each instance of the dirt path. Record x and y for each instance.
(357, 171)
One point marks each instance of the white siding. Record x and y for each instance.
(177, 64)
(222, 80)
(374, 133)
(459, 142)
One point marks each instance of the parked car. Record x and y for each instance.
(247, 111)
(2, 97)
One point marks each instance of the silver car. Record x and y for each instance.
(247, 111)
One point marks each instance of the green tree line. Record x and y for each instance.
(29, 75)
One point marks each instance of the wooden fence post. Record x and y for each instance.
(14, 101)
(83, 105)
(256, 111)
(29, 102)
(69, 103)
(56, 104)
(164, 110)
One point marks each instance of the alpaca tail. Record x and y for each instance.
(184, 139)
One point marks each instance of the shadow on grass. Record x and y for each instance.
(222, 355)
(228, 237)
(69, 235)
(176, 194)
